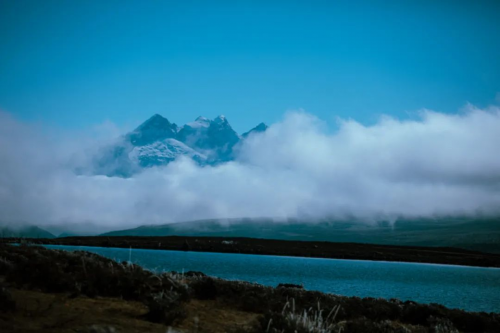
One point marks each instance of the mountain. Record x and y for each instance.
(474, 234)
(157, 142)
(25, 232)
(257, 129)
(152, 130)
(222, 138)
(215, 137)
(163, 152)
(195, 133)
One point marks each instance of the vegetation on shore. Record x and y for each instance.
(169, 298)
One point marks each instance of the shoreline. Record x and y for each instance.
(280, 256)
(300, 249)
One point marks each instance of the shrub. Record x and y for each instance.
(7, 304)
(5, 266)
(204, 288)
(165, 308)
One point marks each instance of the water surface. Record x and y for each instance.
(468, 288)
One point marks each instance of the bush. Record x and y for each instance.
(92, 275)
(204, 288)
(7, 304)
(165, 308)
(5, 266)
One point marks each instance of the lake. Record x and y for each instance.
(468, 288)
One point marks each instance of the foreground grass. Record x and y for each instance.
(123, 297)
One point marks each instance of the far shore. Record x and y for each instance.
(329, 250)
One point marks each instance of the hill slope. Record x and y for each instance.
(25, 232)
(474, 234)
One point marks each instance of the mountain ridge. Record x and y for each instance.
(29, 231)
(157, 142)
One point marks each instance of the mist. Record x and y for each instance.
(429, 165)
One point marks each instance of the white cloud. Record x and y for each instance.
(438, 164)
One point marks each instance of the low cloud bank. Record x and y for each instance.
(434, 165)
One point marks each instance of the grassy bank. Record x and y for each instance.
(124, 297)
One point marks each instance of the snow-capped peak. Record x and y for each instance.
(154, 129)
(202, 119)
(220, 119)
(157, 142)
(199, 122)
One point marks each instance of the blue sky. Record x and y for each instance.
(74, 64)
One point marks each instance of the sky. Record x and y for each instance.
(74, 64)
(376, 110)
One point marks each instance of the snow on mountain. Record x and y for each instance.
(200, 122)
(163, 152)
(157, 142)
(194, 134)
(215, 138)
(220, 119)
(154, 129)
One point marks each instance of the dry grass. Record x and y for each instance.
(71, 291)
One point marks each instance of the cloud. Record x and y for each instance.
(435, 165)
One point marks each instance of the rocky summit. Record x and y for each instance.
(157, 142)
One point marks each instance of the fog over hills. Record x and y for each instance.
(25, 232)
(429, 167)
